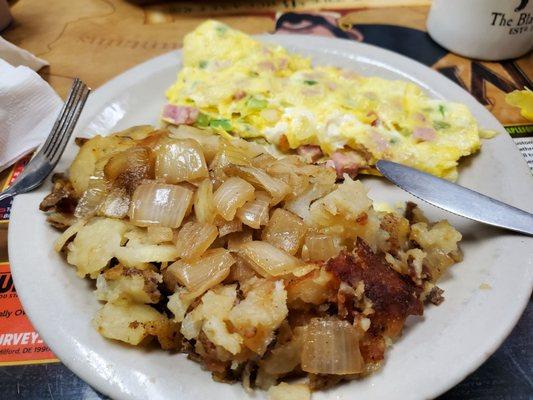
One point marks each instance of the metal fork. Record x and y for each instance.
(44, 161)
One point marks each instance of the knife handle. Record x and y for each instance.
(506, 216)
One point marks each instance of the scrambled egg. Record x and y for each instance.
(522, 99)
(253, 90)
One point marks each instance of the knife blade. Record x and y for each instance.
(457, 199)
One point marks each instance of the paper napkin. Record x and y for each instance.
(28, 105)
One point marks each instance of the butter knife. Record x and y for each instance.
(457, 199)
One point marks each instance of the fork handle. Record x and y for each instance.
(9, 192)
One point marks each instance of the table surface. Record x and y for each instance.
(98, 39)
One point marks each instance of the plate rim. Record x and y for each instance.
(103, 385)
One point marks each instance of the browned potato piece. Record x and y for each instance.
(316, 287)
(398, 229)
(94, 155)
(129, 167)
(128, 323)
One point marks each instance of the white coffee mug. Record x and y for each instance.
(483, 29)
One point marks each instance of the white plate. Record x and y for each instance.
(435, 352)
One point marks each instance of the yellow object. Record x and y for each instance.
(256, 90)
(522, 99)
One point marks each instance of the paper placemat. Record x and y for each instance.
(19, 342)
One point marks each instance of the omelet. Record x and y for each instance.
(242, 87)
(523, 99)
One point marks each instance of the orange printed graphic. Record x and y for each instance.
(19, 343)
(16, 170)
(13, 173)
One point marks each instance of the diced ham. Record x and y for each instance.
(419, 117)
(222, 64)
(314, 76)
(349, 74)
(332, 85)
(310, 152)
(180, 114)
(381, 143)
(347, 162)
(311, 92)
(239, 94)
(330, 164)
(267, 66)
(283, 143)
(425, 134)
(283, 63)
(376, 121)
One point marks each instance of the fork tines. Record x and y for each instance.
(64, 125)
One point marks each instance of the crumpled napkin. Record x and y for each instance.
(28, 105)
(17, 56)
